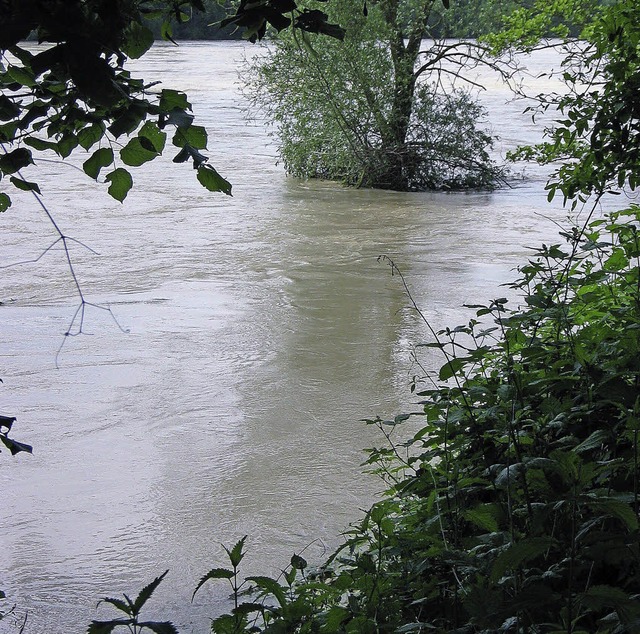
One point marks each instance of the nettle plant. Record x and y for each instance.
(515, 506)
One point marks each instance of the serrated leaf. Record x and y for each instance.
(99, 159)
(162, 627)
(270, 586)
(484, 516)
(623, 511)
(121, 605)
(121, 182)
(25, 186)
(214, 573)
(106, 627)
(5, 202)
(146, 593)
(209, 178)
(235, 554)
(135, 154)
(594, 441)
(518, 553)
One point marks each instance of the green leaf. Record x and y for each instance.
(164, 627)
(484, 516)
(99, 159)
(40, 144)
(298, 563)
(135, 154)
(121, 183)
(194, 135)
(90, 135)
(5, 202)
(139, 40)
(271, 586)
(146, 593)
(214, 573)
(173, 99)
(451, 368)
(26, 186)
(106, 627)
(519, 552)
(121, 605)
(595, 440)
(236, 554)
(152, 133)
(209, 178)
(11, 162)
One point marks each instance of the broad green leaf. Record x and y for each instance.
(90, 135)
(121, 183)
(139, 40)
(518, 553)
(173, 99)
(595, 440)
(194, 135)
(146, 593)
(26, 186)
(152, 132)
(99, 159)
(210, 179)
(5, 202)
(451, 368)
(13, 161)
(270, 586)
(21, 75)
(135, 154)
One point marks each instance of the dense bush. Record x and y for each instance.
(515, 506)
(372, 111)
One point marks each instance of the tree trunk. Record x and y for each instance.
(395, 156)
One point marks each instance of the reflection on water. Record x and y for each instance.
(262, 329)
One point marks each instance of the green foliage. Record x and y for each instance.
(370, 111)
(131, 610)
(515, 506)
(596, 135)
(77, 91)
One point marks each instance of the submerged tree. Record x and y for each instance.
(383, 108)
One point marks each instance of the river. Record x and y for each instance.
(260, 330)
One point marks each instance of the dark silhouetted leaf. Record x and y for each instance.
(209, 178)
(26, 186)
